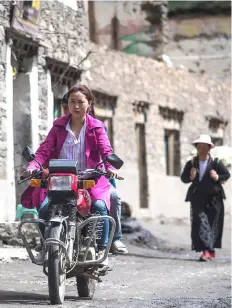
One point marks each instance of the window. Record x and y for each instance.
(57, 111)
(109, 126)
(115, 33)
(172, 119)
(93, 28)
(62, 79)
(142, 164)
(140, 109)
(217, 141)
(104, 111)
(217, 127)
(27, 5)
(172, 152)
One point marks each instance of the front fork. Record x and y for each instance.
(69, 223)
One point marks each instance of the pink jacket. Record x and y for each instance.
(97, 145)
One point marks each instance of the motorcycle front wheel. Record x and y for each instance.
(85, 285)
(56, 267)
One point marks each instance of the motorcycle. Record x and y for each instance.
(69, 246)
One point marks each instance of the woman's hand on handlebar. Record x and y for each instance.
(112, 173)
(27, 173)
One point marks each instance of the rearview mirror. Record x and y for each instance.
(28, 154)
(114, 160)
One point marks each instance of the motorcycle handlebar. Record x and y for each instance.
(23, 179)
(106, 175)
(97, 173)
(36, 172)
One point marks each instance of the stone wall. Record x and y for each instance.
(136, 27)
(190, 37)
(64, 31)
(132, 78)
(4, 16)
(22, 133)
(137, 79)
(3, 106)
(203, 44)
(63, 34)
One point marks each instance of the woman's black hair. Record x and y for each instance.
(64, 99)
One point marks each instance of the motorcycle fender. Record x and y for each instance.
(59, 221)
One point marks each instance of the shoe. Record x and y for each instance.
(212, 255)
(205, 256)
(38, 248)
(101, 255)
(39, 257)
(118, 247)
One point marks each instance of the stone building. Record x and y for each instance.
(200, 37)
(152, 111)
(43, 45)
(155, 112)
(135, 27)
(196, 34)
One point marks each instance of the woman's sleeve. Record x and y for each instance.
(112, 182)
(223, 173)
(44, 149)
(104, 145)
(185, 176)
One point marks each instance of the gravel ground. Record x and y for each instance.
(170, 277)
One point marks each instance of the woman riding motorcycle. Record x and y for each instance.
(81, 137)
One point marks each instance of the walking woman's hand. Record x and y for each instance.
(193, 173)
(213, 175)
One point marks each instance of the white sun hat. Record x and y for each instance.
(203, 138)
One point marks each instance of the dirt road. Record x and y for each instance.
(144, 279)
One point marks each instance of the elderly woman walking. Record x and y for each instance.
(206, 195)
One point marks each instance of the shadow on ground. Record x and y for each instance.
(32, 299)
(23, 298)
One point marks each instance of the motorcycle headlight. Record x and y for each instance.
(61, 182)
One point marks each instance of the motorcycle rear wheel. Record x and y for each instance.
(56, 280)
(85, 286)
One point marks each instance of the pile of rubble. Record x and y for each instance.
(134, 233)
(9, 234)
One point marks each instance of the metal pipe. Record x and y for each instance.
(113, 226)
(25, 242)
(90, 239)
